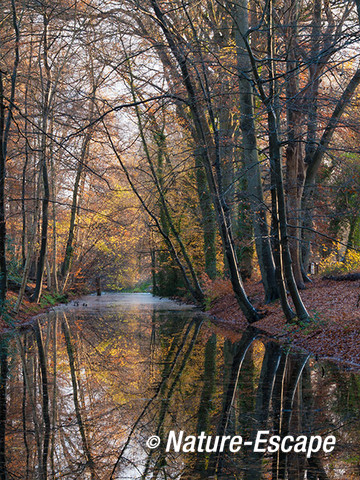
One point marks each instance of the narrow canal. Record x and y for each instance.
(86, 386)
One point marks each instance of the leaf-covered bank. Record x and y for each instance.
(334, 329)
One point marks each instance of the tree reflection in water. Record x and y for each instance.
(80, 393)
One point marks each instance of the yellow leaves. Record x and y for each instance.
(334, 263)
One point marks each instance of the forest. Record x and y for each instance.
(179, 147)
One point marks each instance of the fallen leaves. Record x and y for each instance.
(335, 327)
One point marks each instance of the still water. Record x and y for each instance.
(84, 388)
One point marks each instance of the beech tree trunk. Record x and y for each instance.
(44, 231)
(3, 265)
(251, 159)
(208, 217)
(5, 122)
(271, 103)
(295, 167)
(44, 167)
(208, 220)
(209, 150)
(314, 159)
(166, 220)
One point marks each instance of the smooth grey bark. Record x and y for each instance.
(208, 217)
(44, 165)
(270, 101)
(250, 155)
(312, 125)
(209, 152)
(5, 123)
(295, 166)
(208, 220)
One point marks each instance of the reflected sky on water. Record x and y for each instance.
(83, 389)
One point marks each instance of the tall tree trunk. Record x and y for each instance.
(44, 166)
(314, 157)
(312, 127)
(209, 151)
(277, 251)
(295, 167)
(250, 155)
(54, 223)
(5, 122)
(3, 265)
(208, 220)
(30, 249)
(70, 244)
(44, 229)
(27, 155)
(166, 220)
(208, 216)
(270, 102)
(69, 250)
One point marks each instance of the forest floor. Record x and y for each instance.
(334, 331)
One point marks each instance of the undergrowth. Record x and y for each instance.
(52, 299)
(337, 264)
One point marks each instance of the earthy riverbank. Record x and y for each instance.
(28, 310)
(334, 331)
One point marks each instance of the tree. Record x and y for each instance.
(5, 123)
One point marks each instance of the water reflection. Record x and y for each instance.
(83, 389)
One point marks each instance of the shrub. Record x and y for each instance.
(333, 265)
